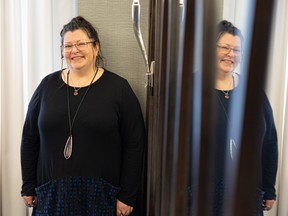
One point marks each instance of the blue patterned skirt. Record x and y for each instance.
(77, 196)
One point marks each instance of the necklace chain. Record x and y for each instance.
(69, 143)
(232, 143)
(77, 89)
(226, 93)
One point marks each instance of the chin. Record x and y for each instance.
(225, 70)
(77, 66)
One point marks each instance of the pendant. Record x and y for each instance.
(75, 92)
(226, 94)
(232, 145)
(68, 148)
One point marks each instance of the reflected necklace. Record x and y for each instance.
(69, 143)
(226, 93)
(232, 143)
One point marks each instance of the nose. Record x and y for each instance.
(74, 47)
(231, 51)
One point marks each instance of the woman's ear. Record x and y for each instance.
(96, 47)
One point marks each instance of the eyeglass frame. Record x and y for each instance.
(237, 52)
(63, 47)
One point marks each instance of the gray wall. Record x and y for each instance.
(113, 22)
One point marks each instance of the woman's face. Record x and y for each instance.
(229, 53)
(78, 52)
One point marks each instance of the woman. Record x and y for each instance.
(83, 137)
(228, 56)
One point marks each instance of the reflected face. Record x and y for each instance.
(78, 51)
(228, 50)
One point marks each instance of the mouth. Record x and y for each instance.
(227, 61)
(76, 57)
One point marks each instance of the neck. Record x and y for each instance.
(83, 72)
(224, 81)
(81, 78)
(224, 75)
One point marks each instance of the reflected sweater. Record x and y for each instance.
(268, 147)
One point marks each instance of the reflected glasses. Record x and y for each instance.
(81, 46)
(226, 49)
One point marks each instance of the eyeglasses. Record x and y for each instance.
(226, 49)
(81, 46)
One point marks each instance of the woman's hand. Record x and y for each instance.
(30, 201)
(267, 204)
(122, 209)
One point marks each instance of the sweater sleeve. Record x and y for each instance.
(132, 131)
(269, 154)
(30, 146)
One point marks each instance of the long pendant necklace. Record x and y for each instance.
(69, 143)
(232, 143)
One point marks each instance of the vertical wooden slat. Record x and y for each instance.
(171, 112)
(185, 128)
(155, 106)
(165, 120)
(207, 143)
(251, 146)
(150, 124)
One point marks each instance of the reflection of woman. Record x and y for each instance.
(83, 137)
(228, 52)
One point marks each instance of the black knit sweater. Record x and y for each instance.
(108, 135)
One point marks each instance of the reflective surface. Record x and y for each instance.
(186, 114)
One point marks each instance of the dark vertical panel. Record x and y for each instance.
(168, 86)
(155, 106)
(169, 114)
(207, 143)
(184, 141)
(250, 154)
(168, 161)
(175, 141)
(150, 115)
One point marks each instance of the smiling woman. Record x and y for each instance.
(83, 138)
(228, 86)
